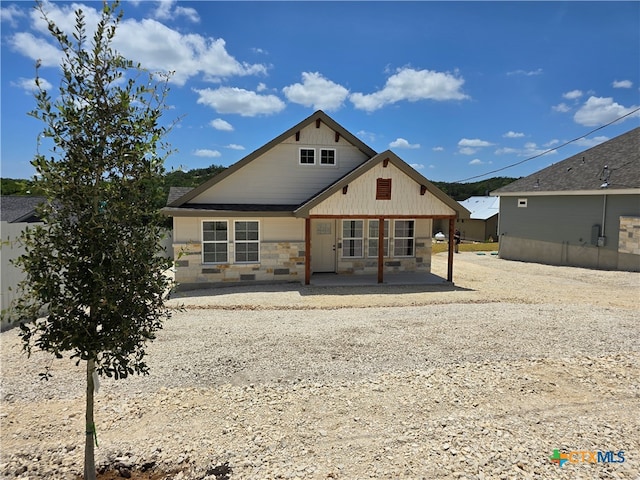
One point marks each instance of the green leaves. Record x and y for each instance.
(95, 286)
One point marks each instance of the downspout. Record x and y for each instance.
(604, 212)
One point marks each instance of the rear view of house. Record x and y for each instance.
(315, 199)
(583, 211)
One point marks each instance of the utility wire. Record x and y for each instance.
(551, 149)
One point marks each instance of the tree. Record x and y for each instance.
(95, 266)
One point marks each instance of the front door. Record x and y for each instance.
(323, 246)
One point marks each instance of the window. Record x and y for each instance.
(307, 156)
(383, 189)
(215, 242)
(373, 238)
(352, 241)
(327, 156)
(522, 203)
(403, 235)
(247, 242)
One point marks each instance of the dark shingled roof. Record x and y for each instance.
(14, 208)
(176, 192)
(614, 165)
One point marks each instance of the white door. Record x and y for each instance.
(323, 246)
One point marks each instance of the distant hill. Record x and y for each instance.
(197, 176)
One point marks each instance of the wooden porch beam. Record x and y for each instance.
(380, 250)
(307, 251)
(451, 240)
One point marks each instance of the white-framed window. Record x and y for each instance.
(327, 156)
(215, 241)
(307, 156)
(352, 238)
(403, 238)
(247, 241)
(373, 238)
(522, 203)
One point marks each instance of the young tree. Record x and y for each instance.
(95, 267)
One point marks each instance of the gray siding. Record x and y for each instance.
(566, 219)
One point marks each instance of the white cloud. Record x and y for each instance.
(222, 125)
(551, 143)
(204, 152)
(526, 73)
(402, 143)
(438, 149)
(239, 101)
(317, 91)
(261, 87)
(530, 149)
(29, 84)
(259, 50)
(476, 161)
(474, 143)
(467, 150)
(11, 14)
(369, 136)
(417, 166)
(512, 134)
(622, 84)
(234, 146)
(506, 151)
(154, 45)
(572, 95)
(165, 11)
(36, 48)
(561, 107)
(411, 85)
(591, 142)
(600, 110)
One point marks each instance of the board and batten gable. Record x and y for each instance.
(278, 177)
(360, 197)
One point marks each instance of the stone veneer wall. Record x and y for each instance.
(279, 261)
(629, 238)
(420, 263)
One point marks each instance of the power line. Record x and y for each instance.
(551, 149)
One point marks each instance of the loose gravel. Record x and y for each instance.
(483, 380)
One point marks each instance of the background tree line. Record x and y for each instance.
(196, 176)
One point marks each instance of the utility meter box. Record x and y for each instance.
(602, 241)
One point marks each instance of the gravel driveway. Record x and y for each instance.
(480, 381)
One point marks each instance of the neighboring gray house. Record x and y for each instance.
(483, 224)
(16, 213)
(583, 211)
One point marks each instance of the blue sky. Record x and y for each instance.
(456, 89)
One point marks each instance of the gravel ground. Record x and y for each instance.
(481, 381)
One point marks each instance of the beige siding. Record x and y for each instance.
(360, 198)
(277, 176)
(282, 229)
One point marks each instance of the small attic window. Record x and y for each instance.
(307, 156)
(383, 189)
(522, 203)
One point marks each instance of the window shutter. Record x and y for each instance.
(383, 189)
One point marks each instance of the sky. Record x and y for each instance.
(459, 90)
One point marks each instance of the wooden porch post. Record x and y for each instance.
(307, 251)
(450, 261)
(380, 249)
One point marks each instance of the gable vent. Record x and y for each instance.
(383, 189)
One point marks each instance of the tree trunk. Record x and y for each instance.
(89, 451)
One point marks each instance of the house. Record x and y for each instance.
(311, 200)
(16, 214)
(583, 211)
(482, 226)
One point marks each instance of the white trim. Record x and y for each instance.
(236, 241)
(300, 162)
(522, 202)
(386, 238)
(413, 253)
(335, 157)
(203, 241)
(558, 193)
(352, 238)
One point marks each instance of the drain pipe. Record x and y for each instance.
(604, 213)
